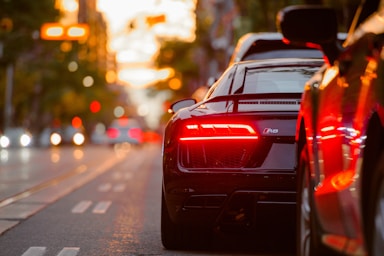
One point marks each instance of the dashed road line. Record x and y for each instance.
(69, 251)
(40, 251)
(35, 251)
(119, 187)
(81, 207)
(102, 207)
(105, 187)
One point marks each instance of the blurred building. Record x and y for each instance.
(95, 48)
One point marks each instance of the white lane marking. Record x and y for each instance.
(128, 176)
(116, 175)
(122, 176)
(119, 187)
(104, 187)
(102, 207)
(35, 251)
(81, 206)
(69, 251)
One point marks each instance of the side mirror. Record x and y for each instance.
(311, 25)
(176, 106)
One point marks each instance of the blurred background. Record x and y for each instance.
(85, 63)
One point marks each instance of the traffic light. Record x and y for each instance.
(95, 106)
(57, 31)
(77, 122)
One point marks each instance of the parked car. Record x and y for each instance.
(270, 45)
(229, 155)
(340, 133)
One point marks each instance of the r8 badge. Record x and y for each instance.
(270, 131)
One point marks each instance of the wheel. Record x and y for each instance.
(170, 232)
(375, 219)
(308, 241)
(178, 237)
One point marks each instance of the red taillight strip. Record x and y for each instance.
(218, 132)
(230, 126)
(220, 138)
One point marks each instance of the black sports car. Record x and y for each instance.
(233, 153)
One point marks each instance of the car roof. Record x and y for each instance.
(261, 45)
(278, 62)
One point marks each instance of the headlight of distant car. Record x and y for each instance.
(4, 141)
(78, 139)
(25, 140)
(55, 139)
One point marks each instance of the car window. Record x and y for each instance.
(275, 80)
(223, 85)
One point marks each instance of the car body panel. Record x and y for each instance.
(339, 105)
(204, 177)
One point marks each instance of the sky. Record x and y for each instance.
(137, 44)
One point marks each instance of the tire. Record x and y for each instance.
(308, 241)
(170, 232)
(375, 220)
(181, 237)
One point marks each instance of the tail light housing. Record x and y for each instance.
(219, 131)
(224, 146)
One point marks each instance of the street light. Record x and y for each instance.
(57, 31)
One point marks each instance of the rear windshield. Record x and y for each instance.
(276, 80)
(294, 53)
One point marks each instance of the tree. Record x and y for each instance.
(20, 22)
(24, 19)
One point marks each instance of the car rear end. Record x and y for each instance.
(229, 160)
(231, 166)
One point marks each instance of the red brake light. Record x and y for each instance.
(135, 133)
(218, 132)
(113, 133)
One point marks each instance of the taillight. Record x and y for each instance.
(113, 133)
(220, 131)
(135, 133)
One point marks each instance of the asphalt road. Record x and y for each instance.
(98, 201)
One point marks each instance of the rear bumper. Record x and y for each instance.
(228, 200)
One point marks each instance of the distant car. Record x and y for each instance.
(16, 137)
(233, 152)
(98, 134)
(340, 133)
(73, 135)
(125, 130)
(67, 135)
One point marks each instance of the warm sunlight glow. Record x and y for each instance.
(69, 9)
(144, 77)
(137, 41)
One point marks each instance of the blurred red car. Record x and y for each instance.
(340, 133)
